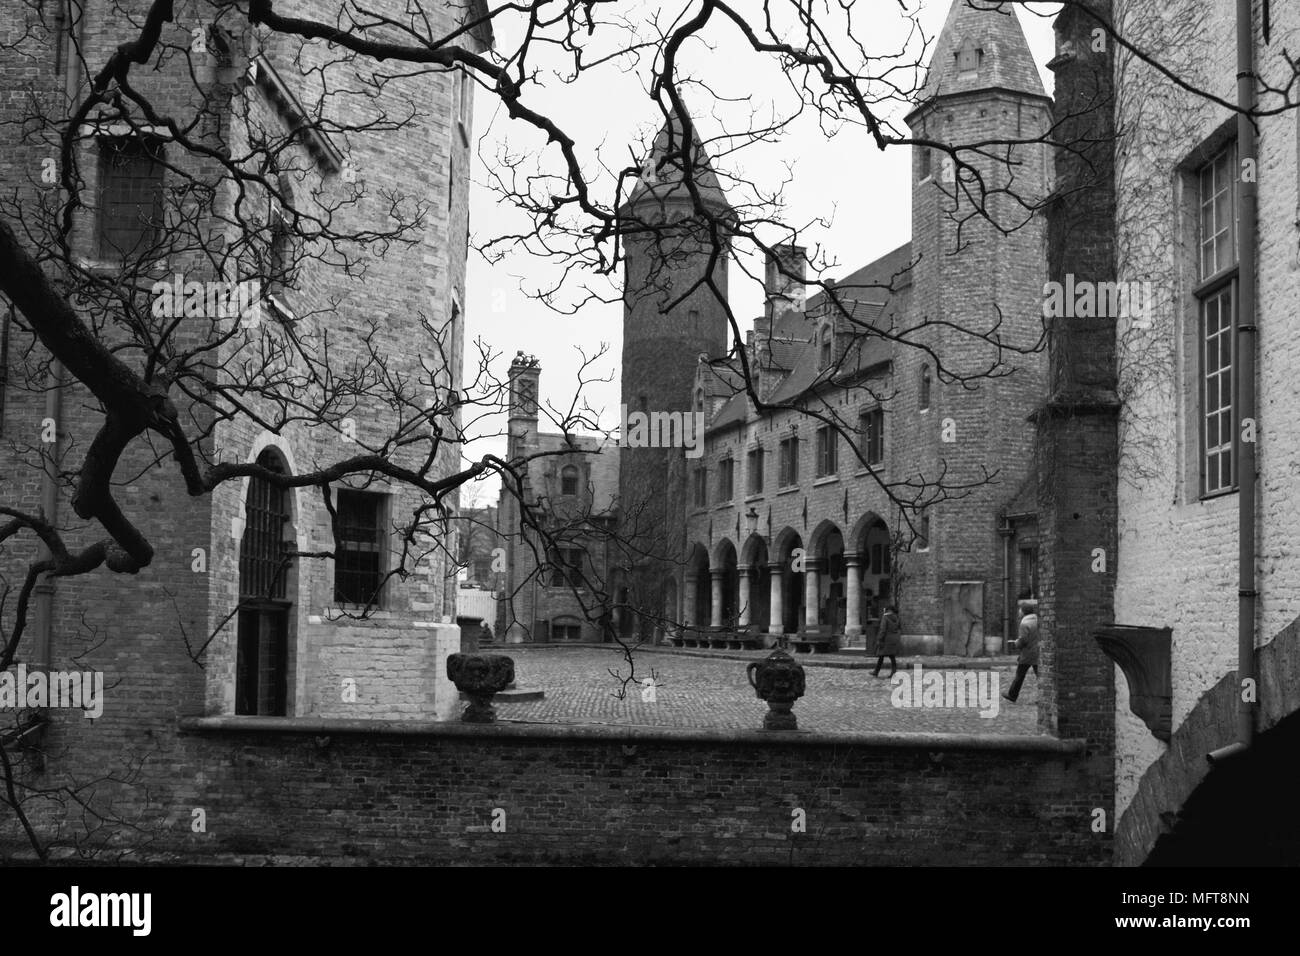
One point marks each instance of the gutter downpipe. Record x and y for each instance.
(1006, 531)
(1247, 342)
(43, 653)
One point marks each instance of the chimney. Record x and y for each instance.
(525, 374)
(782, 292)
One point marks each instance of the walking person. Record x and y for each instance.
(887, 640)
(1027, 643)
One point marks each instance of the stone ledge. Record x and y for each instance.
(515, 730)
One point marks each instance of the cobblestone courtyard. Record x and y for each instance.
(701, 692)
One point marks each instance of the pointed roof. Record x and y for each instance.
(664, 171)
(988, 32)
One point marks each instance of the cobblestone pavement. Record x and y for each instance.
(702, 693)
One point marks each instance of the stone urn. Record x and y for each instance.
(779, 680)
(479, 676)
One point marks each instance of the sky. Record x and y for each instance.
(854, 199)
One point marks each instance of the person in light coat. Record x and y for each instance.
(1027, 644)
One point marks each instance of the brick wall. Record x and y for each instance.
(1076, 427)
(427, 794)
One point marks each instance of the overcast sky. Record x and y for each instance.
(843, 178)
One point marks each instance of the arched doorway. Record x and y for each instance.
(828, 550)
(724, 566)
(871, 537)
(262, 649)
(698, 605)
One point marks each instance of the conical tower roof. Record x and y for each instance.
(981, 47)
(664, 170)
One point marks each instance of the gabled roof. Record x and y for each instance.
(670, 161)
(991, 28)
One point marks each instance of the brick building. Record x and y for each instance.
(557, 563)
(780, 527)
(220, 624)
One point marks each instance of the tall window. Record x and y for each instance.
(871, 425)
(878, 558)
(701, 489)
(789, 462)
(566, 567)
(923, 534)
(828, 443)
(130, 196)
(726, 475)
(1216, 294)
(923, 400)
(280, 251)
(925, 162)
(568, 480)
(754, 471)
(827, 348)
(262, 641)
(358, 547)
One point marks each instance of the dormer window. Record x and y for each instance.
(827, 347)
(968, 60)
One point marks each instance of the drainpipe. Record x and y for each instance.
(1247, 205)
(43, 593)
(1007, 533)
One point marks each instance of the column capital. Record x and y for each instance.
(852, 559)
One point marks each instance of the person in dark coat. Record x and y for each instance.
(887, 641)
(1027, 643)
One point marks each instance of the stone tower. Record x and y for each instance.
(674, 236)
(973, 276)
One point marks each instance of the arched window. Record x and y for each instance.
(923, 402)
(568, 480)
(261, 664)
(699, 399)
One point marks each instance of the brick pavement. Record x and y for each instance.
(697, 692)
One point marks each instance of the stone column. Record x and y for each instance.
(853, 597)
(716, 617)
(744, 585)
(811, 592)
(775, 589)
(688, 601)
